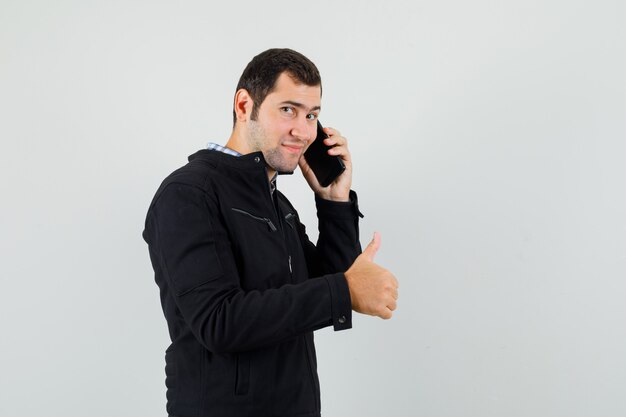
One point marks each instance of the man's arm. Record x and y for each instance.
(338, 243)
(337, 212)
(373, 289)
(192, 258)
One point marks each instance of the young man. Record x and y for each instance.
(242, 287)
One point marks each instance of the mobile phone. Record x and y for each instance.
(325, 167)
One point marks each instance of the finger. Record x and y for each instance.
(304, 166)
(392, 305)
(336, 140)
(308, 174)
(372, 248)
(331, 132)
(385, 314)
(338, 150)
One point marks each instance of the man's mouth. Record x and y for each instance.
(292, 148)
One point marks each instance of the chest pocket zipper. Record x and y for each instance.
(288, 219)
(261, 219)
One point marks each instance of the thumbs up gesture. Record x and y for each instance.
(373, 289)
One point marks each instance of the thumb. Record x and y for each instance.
(303, 163)
(372, 248)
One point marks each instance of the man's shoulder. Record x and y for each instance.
(195, 174)
(199, 167)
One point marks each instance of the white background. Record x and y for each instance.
(488, 141)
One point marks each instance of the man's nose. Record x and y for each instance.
(303, 130)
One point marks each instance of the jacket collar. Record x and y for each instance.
(252, 161)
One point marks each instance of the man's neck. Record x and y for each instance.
(236, 142)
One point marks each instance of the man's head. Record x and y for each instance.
(260, 75)
(276, 106)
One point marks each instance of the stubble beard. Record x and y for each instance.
(273, 156)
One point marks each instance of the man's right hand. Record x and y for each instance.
(373, 289)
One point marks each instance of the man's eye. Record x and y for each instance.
(287, 109)
(311, 116)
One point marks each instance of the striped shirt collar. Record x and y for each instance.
(215, 147)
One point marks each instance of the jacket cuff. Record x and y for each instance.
(341, 303)
(339, 208)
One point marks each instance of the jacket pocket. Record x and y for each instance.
(242, 377)
(265, 220)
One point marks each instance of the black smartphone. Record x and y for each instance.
(325, 167)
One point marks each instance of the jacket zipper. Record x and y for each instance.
(282, 227)
(262, 219)
(288, 219)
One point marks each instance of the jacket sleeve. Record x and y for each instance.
(188, 252)
(338, 242)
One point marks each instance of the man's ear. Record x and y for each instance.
(243, 105)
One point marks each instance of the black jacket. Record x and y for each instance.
(243, 289)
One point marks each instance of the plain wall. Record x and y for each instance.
(488, 143)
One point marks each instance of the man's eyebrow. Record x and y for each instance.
(300, 105)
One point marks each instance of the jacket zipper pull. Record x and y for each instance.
(288, 218)
(270, 224)
(263, 219)
(290, 270)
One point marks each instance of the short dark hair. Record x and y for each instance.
(260, 75)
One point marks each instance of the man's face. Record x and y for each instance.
(286, 123)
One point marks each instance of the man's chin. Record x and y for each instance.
(286, 170)
(281, 164)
